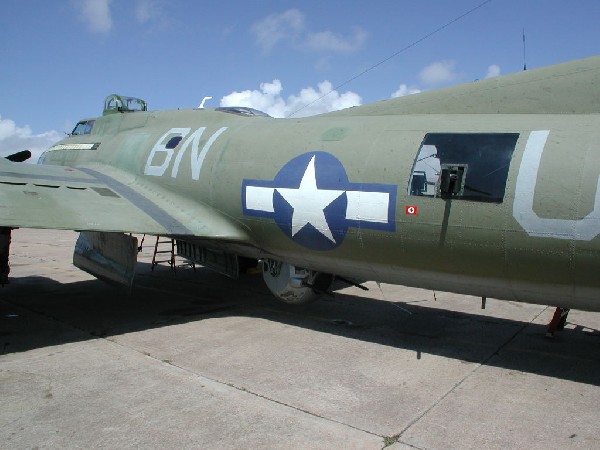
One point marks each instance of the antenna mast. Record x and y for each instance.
(524, 54)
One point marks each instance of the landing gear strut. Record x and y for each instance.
(4, 252)
(558, 321)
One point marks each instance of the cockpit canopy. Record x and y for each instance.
(242, 111)
(118, 103)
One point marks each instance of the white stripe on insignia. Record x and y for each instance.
(260, 198)
(368, 206)
(365, 206)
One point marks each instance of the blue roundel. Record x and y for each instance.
(313, 202)
(310, 205)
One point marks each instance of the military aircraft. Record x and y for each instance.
(491, 188)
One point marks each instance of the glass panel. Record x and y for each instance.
(469, 166)
(83, 127)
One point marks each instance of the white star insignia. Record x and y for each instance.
(309, 203)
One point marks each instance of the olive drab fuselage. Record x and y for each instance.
(452, 190)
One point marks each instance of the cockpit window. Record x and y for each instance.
(83, 127)
(469, 166)
(242, 111)
(115, 103)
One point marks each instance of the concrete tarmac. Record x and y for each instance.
(196, 360)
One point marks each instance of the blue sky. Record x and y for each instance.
(61, 58)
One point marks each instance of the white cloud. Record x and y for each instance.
(439, 72)
(152, 12)
(405, 90)
(493, 71)
(276, 27)
(290, 25)
(270, 100)
(328, 40)
(267, 99)
(14, 139)
(96, 13)
(146, 10)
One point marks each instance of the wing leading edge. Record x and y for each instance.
(102, 198)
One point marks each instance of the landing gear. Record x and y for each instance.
(295, 285)
(558, 321)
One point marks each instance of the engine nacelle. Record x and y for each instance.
(293, 284)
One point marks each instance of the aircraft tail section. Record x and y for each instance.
(569, 88)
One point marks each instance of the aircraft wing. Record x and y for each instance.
(101, 198)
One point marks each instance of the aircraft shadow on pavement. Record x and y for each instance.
(37, 312)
